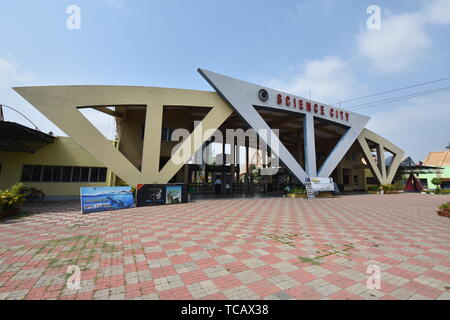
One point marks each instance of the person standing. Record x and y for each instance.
(218, 186)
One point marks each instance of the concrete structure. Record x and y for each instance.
(314, 139)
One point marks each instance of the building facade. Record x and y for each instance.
(437, 159)
(161, 131)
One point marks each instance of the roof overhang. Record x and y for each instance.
(15, 137)
(419, 169)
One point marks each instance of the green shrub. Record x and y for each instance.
(437, 182)
(444, 210)
(445, 206)
(373, 188)
(399, 185)
(298, 191)
(438, 190)
(388, 187)
(12, 198)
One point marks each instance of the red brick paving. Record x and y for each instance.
(270, 248)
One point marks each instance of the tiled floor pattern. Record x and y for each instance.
(270, 248)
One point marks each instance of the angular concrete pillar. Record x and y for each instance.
(310, 146)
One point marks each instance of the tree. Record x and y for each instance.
(448, 147)
(437, 182)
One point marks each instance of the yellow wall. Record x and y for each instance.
(63, 152)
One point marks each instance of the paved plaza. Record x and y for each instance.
(269, 248)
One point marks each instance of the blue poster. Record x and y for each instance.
(97, 199)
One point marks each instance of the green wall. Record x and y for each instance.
(444, 174)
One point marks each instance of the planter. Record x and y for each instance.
(296, 195)
(444, 213)
(392, 192)
(372, 192)
(324, 195)
(9, 212)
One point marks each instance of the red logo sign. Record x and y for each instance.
(308, 106)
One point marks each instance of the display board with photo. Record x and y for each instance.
(160, 194)
(97, 199)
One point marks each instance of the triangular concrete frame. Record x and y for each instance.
(242, 96)
(59, 104)
(384, 176)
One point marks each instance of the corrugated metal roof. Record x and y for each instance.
(15, 137)
(438, 159)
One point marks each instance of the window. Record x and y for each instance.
(76, 173)
(47, 176)
(94, 175)
(166, 134)
(26, 173)
(36, 175)
(66, 174)
(424, 183)
(57, 173)
(355, 180)
(31, 173)
(371, 180)
(84, 175)
(346, 179)
(102, 174)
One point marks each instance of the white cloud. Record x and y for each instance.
(438, 12)
(399, 43)
(11, 73)
(328, 79)
(417, 126)
(402, 39)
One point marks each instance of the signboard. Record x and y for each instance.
(322, 184)
(97, 199)
(309, 189)
(150, 195)
(173, 195)
(160, 194)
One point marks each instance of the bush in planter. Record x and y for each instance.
(399, 186)
(373, 188)
(11, 199)
(444, 210)
(389, 188)
(297, 192)
(437, 182)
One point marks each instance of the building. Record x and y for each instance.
(161, 130)
(437, 159)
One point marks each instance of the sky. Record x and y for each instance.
(323, 49)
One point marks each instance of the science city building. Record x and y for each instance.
(166, 135)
